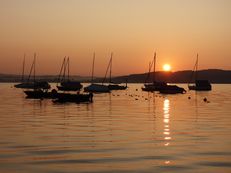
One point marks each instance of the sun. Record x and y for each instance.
(166, 67)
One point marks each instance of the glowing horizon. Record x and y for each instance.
(133, 30)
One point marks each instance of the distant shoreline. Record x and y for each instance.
(216, 76)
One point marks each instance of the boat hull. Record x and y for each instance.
(117, 87)
(24, 85)
(32, 85)
(70, 86)
(196, 88)
(40, 94)
(156, 86)
(75, 98)
(172, 89)
(97, 88)
(200, 85)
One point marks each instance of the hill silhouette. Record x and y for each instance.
(213, 75)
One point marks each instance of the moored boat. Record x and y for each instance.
(36, 89)
(199, 85)
(93, 87)
(70, 86)
(31, 84)
(41, 94)
(155, 85)
(111, 85)
(117, 87)
(97, 88)
(76, 98)
(172, 89)
(25, 85)
(65, 83)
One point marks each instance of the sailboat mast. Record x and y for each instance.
(196, 67)
(110, 67)
(68, 68)
(93, 66)
(154, 68)
(34, 67)
(64, 69)
(149, 69)
(61, 70)
(23, 67)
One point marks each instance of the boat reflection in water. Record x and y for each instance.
(166, 121)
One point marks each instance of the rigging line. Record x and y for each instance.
(194, 72)
(32, 66)
(93, 66)
(61, 70)
(68, 68)
(111, 67)
(23, 67)
(106, 71)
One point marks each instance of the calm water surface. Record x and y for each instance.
(117, 133)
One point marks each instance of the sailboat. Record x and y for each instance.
(93, 87)
(154, 86)
(199, 85)
(65, 83)
(24, 83)
(38, 89)
(113, 86)
(172, 89)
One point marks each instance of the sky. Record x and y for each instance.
(132, 29)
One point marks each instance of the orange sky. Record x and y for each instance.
(131, 29)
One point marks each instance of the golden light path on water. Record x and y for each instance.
(166, 121)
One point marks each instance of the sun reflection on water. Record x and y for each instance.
(166, 120)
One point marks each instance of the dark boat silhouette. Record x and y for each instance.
(24, 84)
(41, 94)
(97, 88)
(70, 86)
(172, 89)
(76, 98)
(94, 87)
(38, 89)
(155, 85)
(34, 85)
(111, 85)
(65, 83)
(199, 85)
(28, 84)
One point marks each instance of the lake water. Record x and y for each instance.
(117, 133)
